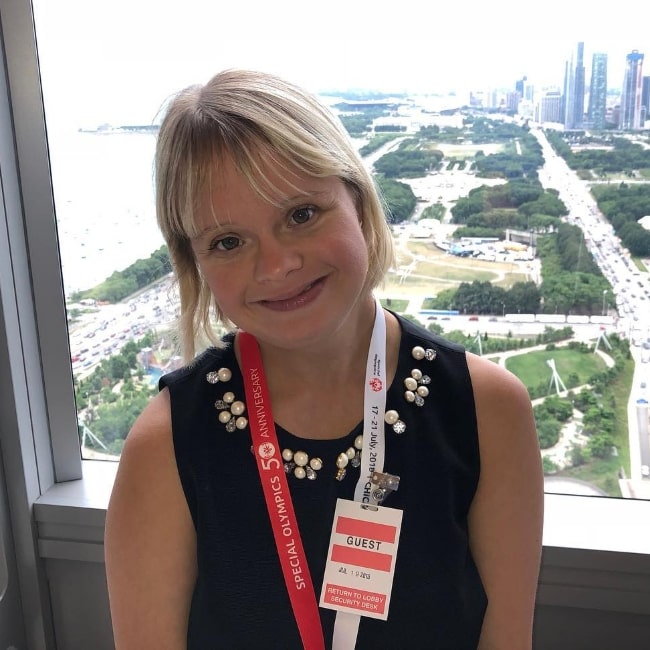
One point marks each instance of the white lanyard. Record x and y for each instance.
(374, 408)
(346, 625)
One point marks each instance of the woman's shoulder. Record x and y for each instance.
(152, 428)
(503, 407)
(210, 359)
(496, 382)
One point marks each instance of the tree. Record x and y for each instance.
(399, 198)
(118, 366)
(636, 238)
(548, 432)
(600, 445)
(525, 297)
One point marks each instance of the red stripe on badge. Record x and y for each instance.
(361, 558)
(367, 529)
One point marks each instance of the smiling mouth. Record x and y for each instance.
(297, 300)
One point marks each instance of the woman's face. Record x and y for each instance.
(289, 272)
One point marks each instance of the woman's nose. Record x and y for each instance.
(275, 259)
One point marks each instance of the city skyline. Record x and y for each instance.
(119, 62)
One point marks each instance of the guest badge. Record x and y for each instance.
(361, 559)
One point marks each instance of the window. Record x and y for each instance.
(102, 70)
(105, 79)
(104, 82)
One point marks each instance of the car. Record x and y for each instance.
(473, 318)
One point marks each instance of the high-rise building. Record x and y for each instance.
(645, 99)
(574, 91)
(550, 107)
(630, 115)
(512, 102)
(520, 84)
(524, 88)
(598, 91)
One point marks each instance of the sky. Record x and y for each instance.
(116, 62)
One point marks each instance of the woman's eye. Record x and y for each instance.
(302, 215)
(225, 243)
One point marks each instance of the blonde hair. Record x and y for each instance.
(235, 116)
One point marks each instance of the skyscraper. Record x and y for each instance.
(574, 91)
(520, 84)
(645, 100)
(630, 115)
(550, 106)
(598, 91)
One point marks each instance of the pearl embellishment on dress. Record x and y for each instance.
(231, 410)
(301, 466)
(223, 374)
(419, 353)
(231, 415)
(392, 418)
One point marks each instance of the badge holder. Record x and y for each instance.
(383, 485)
(361, 557)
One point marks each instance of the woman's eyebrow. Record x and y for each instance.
(213, 227)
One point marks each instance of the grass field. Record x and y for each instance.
(532, 367)
(604, 473)
(433, 270)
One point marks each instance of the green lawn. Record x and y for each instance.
(604, 473)
(454, 273)
(532, 367)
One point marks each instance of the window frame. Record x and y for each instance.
(33, 238)
(595, 548)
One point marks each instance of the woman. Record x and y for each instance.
(276, 231)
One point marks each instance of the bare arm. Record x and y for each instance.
(150, 539)
(506, 515)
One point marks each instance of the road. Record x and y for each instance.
(630, 287)
(102, 330)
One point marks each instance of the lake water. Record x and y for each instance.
(104, 199)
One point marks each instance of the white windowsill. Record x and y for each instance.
(596, 549)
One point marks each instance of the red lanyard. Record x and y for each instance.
(278, 499)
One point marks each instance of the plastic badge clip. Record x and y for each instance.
(384, 485)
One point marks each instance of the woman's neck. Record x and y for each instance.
(340, 362)
(338, 356)
(319, 393)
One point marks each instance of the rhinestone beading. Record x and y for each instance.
(231, 415)
(231, 410)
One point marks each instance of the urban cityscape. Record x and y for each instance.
(598, 109)
(593, 92)
(121, 341)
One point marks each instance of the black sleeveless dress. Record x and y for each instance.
(240, 600)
